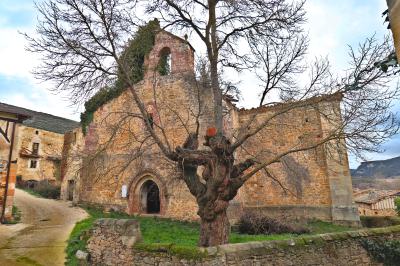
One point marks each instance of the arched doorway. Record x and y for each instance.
(150, 197)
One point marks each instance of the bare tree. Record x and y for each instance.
(81, 42)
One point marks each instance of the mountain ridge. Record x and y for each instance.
(378, 169)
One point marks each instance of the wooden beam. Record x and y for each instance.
(5, 133)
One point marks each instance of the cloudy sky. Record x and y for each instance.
(332, 25)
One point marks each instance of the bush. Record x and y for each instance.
(386, 252)
(254, 224)
(19, 180)
(397, 203)
(42, 188)
(47, 190)
(379, 221)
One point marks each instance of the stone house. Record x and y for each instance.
(39, 144)
(100, 167)
(373, 202)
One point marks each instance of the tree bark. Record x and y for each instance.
(216, 231)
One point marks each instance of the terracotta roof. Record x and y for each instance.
(41, 120)
(373, 196)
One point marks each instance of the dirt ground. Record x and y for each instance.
(40, 238)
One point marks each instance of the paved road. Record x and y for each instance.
(40, 238)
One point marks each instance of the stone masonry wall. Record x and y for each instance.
(4, 153)
(10, 191)
(172, 101)
(71, 165)
(330, 249)
(307, 184)
(50, 146)
(111, 241)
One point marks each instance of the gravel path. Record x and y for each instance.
(40, 238)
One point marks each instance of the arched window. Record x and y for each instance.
(164, 66)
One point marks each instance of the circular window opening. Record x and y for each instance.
(150, 197)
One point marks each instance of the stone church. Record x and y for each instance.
(116, 165)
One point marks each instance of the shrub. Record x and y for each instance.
(19, 180)
(253, 224)
(42, 188)
(386, 252)
(397, 203)
(47, 190)
(379, 221)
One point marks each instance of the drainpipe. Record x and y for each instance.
(8, 173)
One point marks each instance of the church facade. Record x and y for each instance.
(116, 165)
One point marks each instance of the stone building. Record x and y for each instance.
(373, 202)
(39, 144)
(104, 167)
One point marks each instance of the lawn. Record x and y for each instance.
(160, 231)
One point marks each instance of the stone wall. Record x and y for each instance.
(4, 154)
(326, 249)
(10, 191)
(71, 165)
(48, 158)
(314, 183)
(367, 210)
(111, 241)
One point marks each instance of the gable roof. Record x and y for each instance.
(41, 120)
(6, 111)
(373, 196)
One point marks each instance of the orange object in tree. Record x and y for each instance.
(211, 132)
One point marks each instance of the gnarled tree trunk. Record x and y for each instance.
(214, 231)
(217, 185)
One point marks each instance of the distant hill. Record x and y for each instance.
(378, 169)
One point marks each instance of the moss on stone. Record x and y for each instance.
(182, 252)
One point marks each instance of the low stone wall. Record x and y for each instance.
(326, 249)
(111, 241)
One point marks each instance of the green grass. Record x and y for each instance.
(175, 237)
(16, 214)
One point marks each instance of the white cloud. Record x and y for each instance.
(15, 61)
(17, 64)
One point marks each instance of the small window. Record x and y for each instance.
(35, 148)
(151, 111)
(74, 138)
(150, 119)
(165, 63)
(33, 164)
(37, 132)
